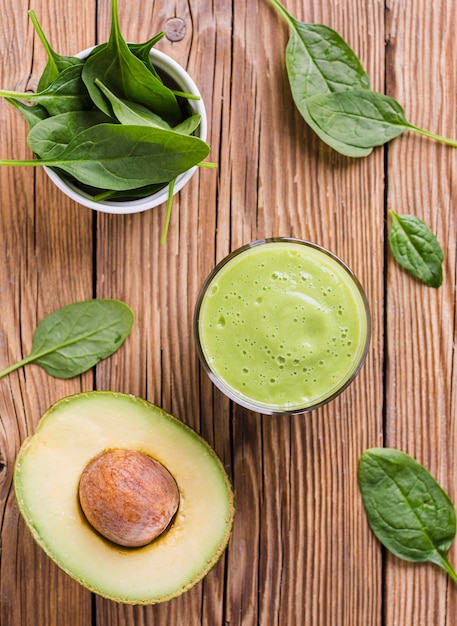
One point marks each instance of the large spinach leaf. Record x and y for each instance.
(76, 337)
(50, 137)
(407, 509)
(359, 118)
(318, 60)
(118, 157)
(362, 118)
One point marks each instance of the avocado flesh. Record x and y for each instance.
(47, 472)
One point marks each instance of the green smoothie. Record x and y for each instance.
(282, 326)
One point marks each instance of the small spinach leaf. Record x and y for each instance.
(416, 248)
(142, 52)
(189, 125)
(76, 337)
(66, 93)
(56, 62)
(33, 113)
(408, 511)
(127, 112)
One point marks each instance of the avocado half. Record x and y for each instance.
(46, 478)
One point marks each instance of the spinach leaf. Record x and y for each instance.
(342, 147)
(33, 113)
(416, 248)
(142, 52)
(56, 62)
(118, 157)
(189, 125)
(362, 118)
(127, 112)
(121, 71)
(49, 138)
(358, 117)
(318, 60)
(76, 337)
(66, 93)
(408, 511)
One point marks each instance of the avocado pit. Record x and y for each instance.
(128, 497)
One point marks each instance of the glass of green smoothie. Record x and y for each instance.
(282, 326)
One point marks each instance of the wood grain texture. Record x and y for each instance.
(301, 550)
(46, 262)
(421, 322)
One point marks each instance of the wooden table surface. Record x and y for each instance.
(301, 552)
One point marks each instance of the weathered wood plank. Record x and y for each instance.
(45, 262)
(421, 331)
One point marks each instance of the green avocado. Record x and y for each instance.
(47, 472)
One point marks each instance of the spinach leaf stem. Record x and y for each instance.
(448, 567)
(440, 138)
(14, 367)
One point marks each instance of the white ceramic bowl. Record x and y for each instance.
(185, 83)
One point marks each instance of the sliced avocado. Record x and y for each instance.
(47, 473)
